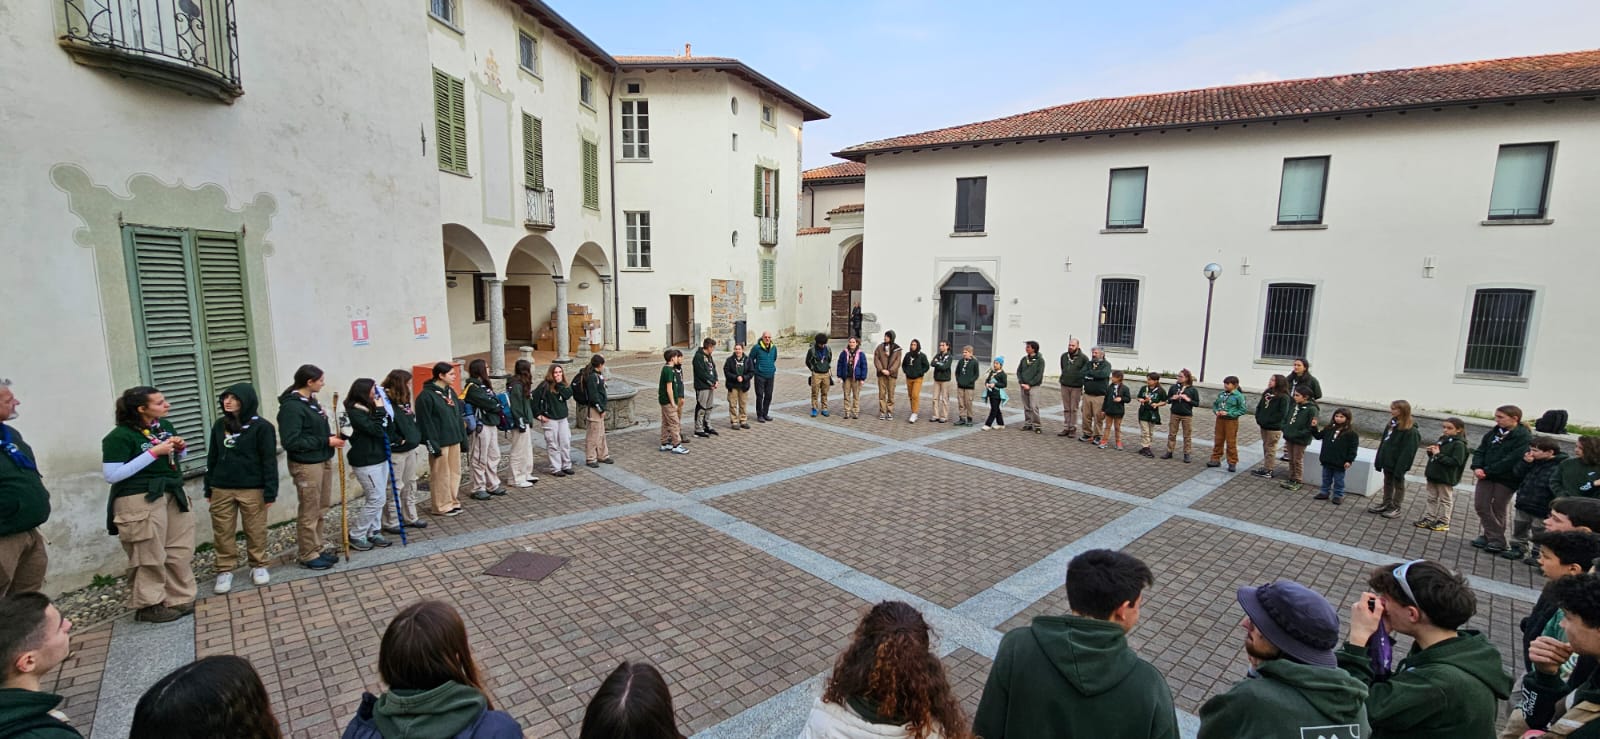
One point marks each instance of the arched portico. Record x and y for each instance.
(592, 273)
(472, 293)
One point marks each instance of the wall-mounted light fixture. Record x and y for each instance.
(583, 286)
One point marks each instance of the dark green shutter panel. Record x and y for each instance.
(532, 152)
(443, 133)
(591, 175)
(458, 124)
(759, 212)
(538, 153)
(225, 310)
(769, 277)
(167, 325)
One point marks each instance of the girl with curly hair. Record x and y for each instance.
(888, 677)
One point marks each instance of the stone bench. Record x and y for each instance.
(1360, 479)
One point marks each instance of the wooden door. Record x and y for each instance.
(682, 320)
(839, 315)
(519, 314)
(851, 273)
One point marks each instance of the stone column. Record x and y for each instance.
(494, 294)
(608, 318)
(561, 319)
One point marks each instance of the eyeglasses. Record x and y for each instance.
(1400, 577)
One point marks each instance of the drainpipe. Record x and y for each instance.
(811, 218)
(611, 135)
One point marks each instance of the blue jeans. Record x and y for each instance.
(1333, 482)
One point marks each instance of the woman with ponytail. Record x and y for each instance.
(309, 441)
(888, 683)
(148, 510)
(520, 390)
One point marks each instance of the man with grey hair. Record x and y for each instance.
(1096, 382)
(23, 559)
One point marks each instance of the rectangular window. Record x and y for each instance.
(1287, 327)
(638, 239)
(1125, 204)
(1119, 312)
(1305, 184)
(528, 52)
(736, 142)
(444, 10)
(1497, 337)
(192, 312)
(640, 318)
(636, 129)
(769, 279)
(586, 89)
(591, 175)
(766, 192)
(1521, 181)
(970, 203)
(769, 115)
(532, 152)
(450, 122)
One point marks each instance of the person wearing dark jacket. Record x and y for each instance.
(1030, 374)
(1564, 554)
(705, 389)
(35, 640)
(1294, 687)
(589, 392)
(942, 361)
(1537, 469)
(241, 481)
(309, 442)
(519, 391)
(405, 451)
(436, 690)
(1397, 451)
(1299, 428)
(819, 360)
(1449, 685)
(1569, 706)
(1074, 675)
(444, 432)
(1340, 444)
(737, 372)
(24, 507)
(1151, 398)
(966, 384)
(369, 460)
(1447, 457)
(1182, 397)
(1580, 475)
(1494, 464)
(550, 410)
(994, 391)
(765, 356)
(149, 510)
(852, 372)
(915, 366)
(1073, 363)
(484, 462)
(1096, 382)
(886, 364)
(1271, 410)
(1301, 376)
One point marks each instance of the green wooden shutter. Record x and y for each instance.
(226, 311)
(769, 280)
(774, 193)
(759, 212)
(591, 175)
(458, 124)
(532, 152)
(167, 322)
(443, 132)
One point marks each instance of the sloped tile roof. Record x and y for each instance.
(808, 112)
(810, 231)
(1497, 80)
(835, 171)
(848, 208)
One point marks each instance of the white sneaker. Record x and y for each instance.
(680, 449)
(260, 576)
(913, 418)
(224, 583)
(523, 484)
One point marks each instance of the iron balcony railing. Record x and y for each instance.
(541, 208)
(769, 230)
(180, 43)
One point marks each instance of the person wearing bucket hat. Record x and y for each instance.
(1294, 682)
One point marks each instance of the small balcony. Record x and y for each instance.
(187, 45)
(541, 209)
(769, 230)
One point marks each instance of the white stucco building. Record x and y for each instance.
(1425, 233)
(828, 278)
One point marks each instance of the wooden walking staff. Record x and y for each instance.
(344, 514)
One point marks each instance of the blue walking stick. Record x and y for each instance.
(394, 485)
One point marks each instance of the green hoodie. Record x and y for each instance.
(1446, 466)
(915, 365)
(1283, 698)
(1070, 676)
(941, 366)
(1297, 427)
(303, 429)
(1447, 691)
(406, 434)
(1500, 451)
(521, 401)
(439, 417)
(24, 503)
(1072, 365)
(25, 714)
(551, 404)
(1271, 410)
(249, 460)
(966, 374)
(428, 714)
(369, 435)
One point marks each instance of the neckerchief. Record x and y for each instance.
(1394, 423)
(1499, 435)
(14, 451)
(157, 437)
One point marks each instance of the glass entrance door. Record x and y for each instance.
(968, 318)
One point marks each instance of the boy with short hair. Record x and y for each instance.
(1030, 374)
(1532, 506)
(942, 363)
(34, 639)
(1573, 514)
(669, 393)
(1571, 711)
(1299, 427)
(705, 386)
(966, 384)
(1561, 554)
(1447, 458)
(1228, 407)
(1096, 375)
(1151, 398)
(819, 359)
(1112, 410)
(1449, 685)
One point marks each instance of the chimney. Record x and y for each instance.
(686, 53)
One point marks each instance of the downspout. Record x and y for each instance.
(811, 218)
(611, 159)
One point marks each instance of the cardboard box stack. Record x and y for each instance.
(579, 321)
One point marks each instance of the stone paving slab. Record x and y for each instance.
(967, 671)
(1189, 627)
(935, 528)
(77, 680)
(1124, 471)
(732, 455)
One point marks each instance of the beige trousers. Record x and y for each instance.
(671, 424)
(485, 461)
(313, 485)
(941, 399)
(736, 403)
(227, 507)
(819, 390)
(886, 393)
(1269, 444)
(594, 436)
(522, 455)
(159, 541)
(1071, 400)
(406, 467)
(23, 561)
(444, 479)
(852, 397)
(1089, 408)
(1184, 424)
(964, 397)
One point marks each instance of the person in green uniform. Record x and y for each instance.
(942, 362)
(1340, 444)
(1030, 375)
(1494, 464)
(23, 556)
(1096, 377)
(34, 640)
(444, 432)
(519, 390)
(1397, 451)
(819, 360)
(309, 442)
(484, 462)
(405, 453)
(1271, 409)
(915, 365)
(1451, 682)
(1447, 459)
(1229, 407)
(669, 393)
(1299, 428)
(966, 385)
(1579, 475)
(1151, 399)
(550, 408)
(369, 461)
(737, 372)
(1073, 363)
(148, 509)
(1113, 407)
(705, 389)
(1182, 397)
(589, 392)
(994, 391)
(241, 481)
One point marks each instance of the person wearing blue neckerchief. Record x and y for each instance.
(24, 506)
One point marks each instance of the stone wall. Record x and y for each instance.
(727, 306)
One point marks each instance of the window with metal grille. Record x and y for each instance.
(1119, 312)
(1521, 182)
(639, 318)
(971, 203)
(450, 122)
(638, 238)
(1498, 334)
(1305, 185)
(636, 129)
(528, 52)
(1125, 203)
(1287, 328)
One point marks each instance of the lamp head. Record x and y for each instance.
(1213, 271)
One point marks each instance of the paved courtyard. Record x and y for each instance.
(741, 569)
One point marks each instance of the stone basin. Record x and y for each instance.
(619, 406)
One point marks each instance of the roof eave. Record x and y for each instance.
(808, 111)
(846, 180)
(568, 32)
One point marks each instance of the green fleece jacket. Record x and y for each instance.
(705, 370)
(481, 397)
(941, 366)
(1297, 428)
(1230, 403)
(25, 714)
(1282, 699)
(1271, 410)
(551, 403)
(1116, 400)
(1448, 691)
(1499, 452)
(966, 373)
(1151, 411)
(915, 365)
(303, 429)
(1096, 377)
(1182, 399)
(24, 502)
(1069, 676)
(1574, 478)
(1339, 447)
(247, 460)
(1030, 371)
(406, 434)
(439, 416)
(594, 386)
(1072, 367)
(1306, 381)
(521, 401)
(1446, 466)
(1397, 450)
(369, 435)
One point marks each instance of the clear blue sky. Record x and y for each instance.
(889, 67)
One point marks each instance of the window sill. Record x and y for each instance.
(633, 160)
(1300, 227)
(635, 269)
(463, 175)
(1121, 351)
(447, 24)
(591, 209)
(1270, 363)
(639, 330)
(530, 72)
(1474, 378)
(1518, 222)
(588, 106)
(967, 234)
(1139, 230)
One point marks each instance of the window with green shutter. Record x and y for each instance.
(450, 122)
(532, 152)
(769, 279)
(192, 317)
(591, 175)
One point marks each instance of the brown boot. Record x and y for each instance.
(157, 614)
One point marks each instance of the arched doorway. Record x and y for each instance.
(468, 268)
(966, 313)
(848, 296)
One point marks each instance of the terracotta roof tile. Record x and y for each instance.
(848, 208)
(836, 170)
(1532, 77)
(810, 231)
(808, 111)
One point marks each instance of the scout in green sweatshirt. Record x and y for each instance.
(303, 428)
(1579, 475)
(1300, 424)
(1502, 448)
(24, 502)
(439, 417)
(1282, 699)
(242, 457)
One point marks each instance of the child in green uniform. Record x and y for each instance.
(1271, 409)
(1299, 427)
(1182, 397)
(1447, 459)
(669, 392)
(1396, 452)
(994, 391)
(550, 408)
(241, 481)
(1113, 408)
(942, 363)
(1151, 398)
(1339, 445)
(1228, 408)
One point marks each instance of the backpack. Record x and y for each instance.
(469, 415)
(1552, 422)
(1574, 719)
(507, 422)
(580, 388)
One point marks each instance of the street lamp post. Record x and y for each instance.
(1212, 272)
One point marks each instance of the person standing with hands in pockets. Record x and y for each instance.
(309, 442)
(941, 383)
(1030, 373)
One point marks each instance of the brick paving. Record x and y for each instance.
(1124, 471)
(77, 680)
(732, 455)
